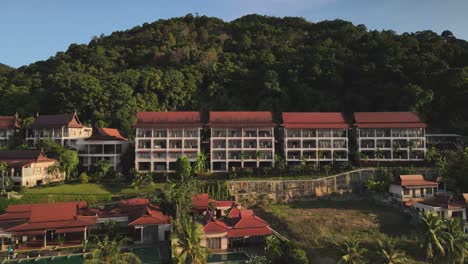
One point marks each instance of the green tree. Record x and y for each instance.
(186, 242)
(280, 164)
(432, 234)
(457, 242)
(352, 252)
(183, 170)
(69, 161)
(200, 163)
(100, 170)
(3, 167)
(109, 228)
(389, 253)
(110, 252)
(142, 180)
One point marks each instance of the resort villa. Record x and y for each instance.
(28, 168)
(163, 137)
(226, 225)
(315, 137)
(390, 136)
(104, 144)
(64, 129)
(8, 126)
(241, 139)
(413, 188)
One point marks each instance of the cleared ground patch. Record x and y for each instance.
(319, 225)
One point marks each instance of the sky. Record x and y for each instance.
(37, 29)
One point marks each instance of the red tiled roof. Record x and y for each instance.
(248, 232)
(445, 201)
(314, 120)
(134, 202)
(168, 119)
(241, 119)
(9, 122)
(234, 213)
(151, 217)
(70, 230)
(415, 181)
(388, 120)
(15, 158)
(214, 226)
(202, 202)
(54, 121)
(106, 134)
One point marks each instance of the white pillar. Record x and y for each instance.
(141, 232)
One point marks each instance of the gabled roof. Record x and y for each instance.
(15, 158)
(314, 120)
(388, 120)
(55, 121)
(9, 122)
(168, 119)
(249, 225)
(445, 201)
(415, 181)
(214, 226)
(152, 216)
(110, 134)
(202, 202)
(238, 119)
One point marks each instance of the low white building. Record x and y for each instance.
(28, 168)
(413, 188)
(105, 144)
(8, 126)
(446, 206)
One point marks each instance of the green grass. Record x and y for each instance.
(91, 192)
(320, 226)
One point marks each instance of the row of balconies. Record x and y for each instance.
(322, 155)
(237, 144)
(393, 155)
(398, 143)
(391, 132)
(238, 133)
(165, 155)
(237, 155)
(149, 133)
(162, 144)
(312, 133)
(312, 144)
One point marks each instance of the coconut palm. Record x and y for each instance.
(186, 242)
(457, 242)
(432, 235)
(110, 252)
(3, 167)
(353, 253)
(389, 253)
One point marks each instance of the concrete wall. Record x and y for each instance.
(253, 191)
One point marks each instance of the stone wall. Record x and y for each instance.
(253, 191)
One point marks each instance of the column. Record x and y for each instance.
(45, 238)
(141, 232)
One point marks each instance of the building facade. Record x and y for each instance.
(163, 137)
(28, 168)
(105, 144)
(8, 126)
(413, 188)
(64, 129)
(315, 137)
(390, 136)
(241, 139)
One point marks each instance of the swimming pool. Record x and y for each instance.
(230, 257)
(70, 259)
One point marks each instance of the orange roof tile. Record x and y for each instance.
(241, 119)
(314, 120)
(388, 120)
(168, 119)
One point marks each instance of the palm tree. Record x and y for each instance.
(142, 180)
(3, 167)
(186, 242)
(378, 155)
(389, 253)
(180, 195)
(110, 252)
(432, 235)
(353, 253)
(457, 244)
(280, 164)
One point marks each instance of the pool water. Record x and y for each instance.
(231, 257)
(71, 259)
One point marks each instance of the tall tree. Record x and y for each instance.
(186, 242)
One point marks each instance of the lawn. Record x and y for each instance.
(91, 192)
(318, 226)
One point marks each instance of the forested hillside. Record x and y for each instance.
(252, 63)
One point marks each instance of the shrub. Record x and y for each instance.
(248, 172)
(84, 178)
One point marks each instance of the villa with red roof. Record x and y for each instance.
(64, 129)
(163, 137)
(29, 168)
(315, 137)
(144, 221)
(223, 230)
(43, 225)
(104, 144)
(390, 136)
(241, 139)
(413, 188)
(8, 126)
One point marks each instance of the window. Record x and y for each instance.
(213, 243)
(406, 192)
(37, 170)
(429, 191)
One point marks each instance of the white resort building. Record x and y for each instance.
(241, 139)
(162, 137)
(8, 126)
(390, 136)
(315, 137)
